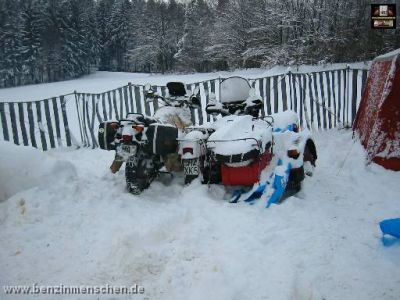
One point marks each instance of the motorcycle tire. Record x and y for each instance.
(297, 175)
(190, 178)
(138, 174)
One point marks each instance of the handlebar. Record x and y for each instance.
(169, 101)
(270, 123)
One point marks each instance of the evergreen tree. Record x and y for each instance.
(31, 41)
(143, 42)
(119, 30)
(79, 45)
(191, 47)
(175, 20)
(103, 16)
(157, 33)
(10, 37)
(226, 44)
(92, 37)
(52, 38)
(49, 40)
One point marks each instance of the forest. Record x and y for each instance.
(53, 40)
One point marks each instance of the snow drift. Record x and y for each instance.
(22, 168)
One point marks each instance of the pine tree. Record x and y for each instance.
(103, 16)
(118, 30)
(78, 38)
(52, 38)
(157, 30)
(31, 41)
(175, 28)
(221, 49)
(144, 40)
(49, 40)
(197, 25)
(91, 34)
(11, 64)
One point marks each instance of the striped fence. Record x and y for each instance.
(41, 124)
(323, 100)
(113, 105)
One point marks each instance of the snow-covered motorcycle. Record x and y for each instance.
(235, 149)
(149, 145)
(193, 147)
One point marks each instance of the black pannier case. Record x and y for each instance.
(162, 139)
(106, 135)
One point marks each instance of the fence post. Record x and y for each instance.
(289, 74)
(219, 87)
(306, 115)
(354, 85)
(79, 118)
(68, 134)
(347, 95)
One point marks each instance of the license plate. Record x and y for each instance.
(191, 167)
(129, 149)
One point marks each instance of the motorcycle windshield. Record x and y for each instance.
(234, 89)
(176, 89)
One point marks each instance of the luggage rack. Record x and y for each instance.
(235, 140)
(233, 157)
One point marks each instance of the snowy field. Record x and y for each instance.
(99, 82)
(65, 219)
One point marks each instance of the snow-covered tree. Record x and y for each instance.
(103, 16)
(158, 27)
(197, 26)
(31, 41)
(10, 44)
(49, 40)
(118, 31)
(230, 36)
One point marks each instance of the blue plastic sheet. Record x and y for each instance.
(391, 227)
(279, 185)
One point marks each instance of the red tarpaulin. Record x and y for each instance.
(378, 118)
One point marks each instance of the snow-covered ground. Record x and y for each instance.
(71, 222)
(64, 219)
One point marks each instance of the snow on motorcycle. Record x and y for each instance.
(240, 149)
(149, 145)
(193, 148)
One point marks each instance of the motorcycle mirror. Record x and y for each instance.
(195, 102)
(148, 90)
